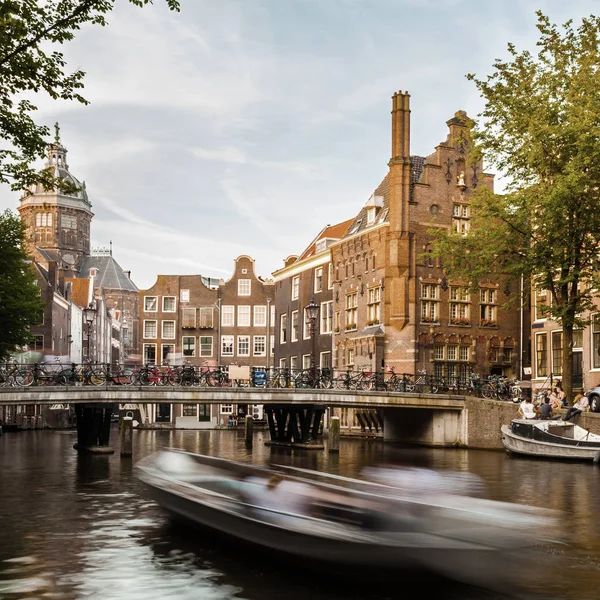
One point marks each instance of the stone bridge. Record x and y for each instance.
(294, 415)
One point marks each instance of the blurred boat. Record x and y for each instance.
(550, 439)
(361, 525)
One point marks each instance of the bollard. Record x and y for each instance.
(248, 429)
(127, 436)
(334, 434)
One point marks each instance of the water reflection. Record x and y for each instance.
(74, 526)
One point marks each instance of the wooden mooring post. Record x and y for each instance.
(127, 436)
(248, 428)
(334, 434)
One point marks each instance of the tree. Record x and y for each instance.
(29, 29)
(541, 128)
(20, 300)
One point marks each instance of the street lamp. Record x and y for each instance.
(89, 315)
(312, 313)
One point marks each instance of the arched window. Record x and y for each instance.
(49, 220)
(38, 219)
(44, 220)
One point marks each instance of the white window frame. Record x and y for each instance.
(144, 355)
(244, 287)
(150, 337)
(246, 340)
(162, 350)
(162, 330)
(146, 309)
(326, 317)
(261, 340)
(295, 287)
(260, 315)
(306, 325)
(244, 315)
(228, 315)
(174, 298)
(330, 276)
(183, 348)
(318, 280)
(230, 341)
(184, 296)
(283, 319)
(294, 329)
(200, 345)
(305, 361)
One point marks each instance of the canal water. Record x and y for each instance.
(76, 527)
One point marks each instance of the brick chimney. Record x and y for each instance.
(399, 175)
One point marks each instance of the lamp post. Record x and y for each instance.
(89, 315)
(312, 313)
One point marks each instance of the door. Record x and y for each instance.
(577, 370)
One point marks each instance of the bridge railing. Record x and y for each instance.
(41, 375)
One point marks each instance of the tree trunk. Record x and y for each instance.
(567, 361)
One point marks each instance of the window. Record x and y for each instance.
(283, 329)
(167, 352)
(306, 361)
(542, 304)
(327, 317)
(541, 347)
(325, 360)
(272, 345)
(293, 364)
(66, 221)
(306, 326)
(464, 353)
(150, 329)
(226, 409)
(184, 295)
(350, 357)
(273, 316)
(460, 219)
(260, 345)
(507, 354)
(260, 316)
(452, 352)
(374, 262)
(318, 279)
(37, 343)
(227, 316)
(168, 330)
(330, 276)
(243, 316)
(294, 326)
(557, 352)
(430, 295)
(243, 287)
(371, 215)
(188, 344)
(150, 303)
(460, 307)
(295, 287)
(189, 410)
(488, 308)
(150, 354)
(373, 306)
(206, 317)
(355, 227)
(243, 345)
(188, 318)
(169, 303)
(206, 345)
(351, 310)
(438, 352)
(595, 350)
(227, 345)
(282, 363)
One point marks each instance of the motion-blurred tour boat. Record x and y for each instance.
(409, 520)
(550, 439)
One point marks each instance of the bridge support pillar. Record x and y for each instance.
(93, 428)
(295, 426)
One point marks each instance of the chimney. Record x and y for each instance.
(52, 274)
(128, 273)
(399, 175)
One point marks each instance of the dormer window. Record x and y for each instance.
(371, 215)
(355, 227)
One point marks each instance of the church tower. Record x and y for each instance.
(58, 222)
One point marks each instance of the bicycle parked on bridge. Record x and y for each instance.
(424, 384)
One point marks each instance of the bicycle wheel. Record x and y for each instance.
(23, 378)
(341, 382)
(125, 377)
(487, 391)
(97, 377)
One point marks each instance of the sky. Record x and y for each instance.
(246, 126)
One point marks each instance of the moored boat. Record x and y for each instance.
(550, 439)
(358, 524)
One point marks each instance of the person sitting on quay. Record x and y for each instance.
(556, 399)
(546, 410)
(527, 410)
(561, 395)
(581, 404)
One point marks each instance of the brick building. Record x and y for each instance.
(302, 279)
(207, 322)
(393, 304)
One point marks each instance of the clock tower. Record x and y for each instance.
(58, 222)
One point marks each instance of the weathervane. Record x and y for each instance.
(56, 133)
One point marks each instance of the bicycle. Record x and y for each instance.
(424, 384)
(348, 380)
